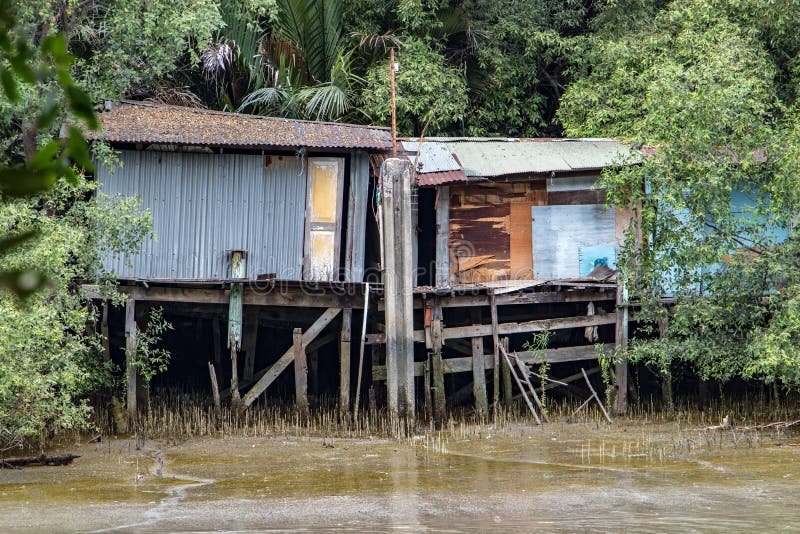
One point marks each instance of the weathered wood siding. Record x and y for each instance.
(492, 235)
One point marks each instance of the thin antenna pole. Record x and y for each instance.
(394, 106)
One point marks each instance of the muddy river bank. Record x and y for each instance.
(629, 476)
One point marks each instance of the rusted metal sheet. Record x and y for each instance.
(204, 205)
(138, 122)
(441, 178)
(559, 233)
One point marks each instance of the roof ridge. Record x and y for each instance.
(247, 115)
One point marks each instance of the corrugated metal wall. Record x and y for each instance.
(206, 204)
(357, 217)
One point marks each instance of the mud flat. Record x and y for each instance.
(563, 477)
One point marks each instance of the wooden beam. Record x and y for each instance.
(443, 236)
(541, 325)
(464, 365)
(506, 372)
(283, 362)
(130, 355)
(516, 298)
(344, 363)
(300, 372)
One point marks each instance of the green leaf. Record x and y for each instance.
(45, 156)
(81, 106)
(78, 148)
(17, 182)
(9, 86)
(11, 242)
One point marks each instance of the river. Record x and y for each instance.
(633, 477)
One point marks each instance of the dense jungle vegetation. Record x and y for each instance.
(708, 87)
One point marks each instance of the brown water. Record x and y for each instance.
(565, 477)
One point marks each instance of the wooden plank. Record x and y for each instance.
(464, 365)
(540, 325)
(344, 362)
(437, 367)
(283, 362)
(214, 387)
(130, 355)
(443, 237)
(521, 234)
(519, 385)
(300, 371)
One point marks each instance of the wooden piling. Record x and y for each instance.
(621, 366)
(214, 387)
(300, 372)
(508, 393)
(479, 378)
(495, 355)
(104, 332)
(437, 365)
(344, 363)
(398, 285)
(130, 356)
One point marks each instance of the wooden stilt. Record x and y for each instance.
(215, 336)
(249, 344)
(214, 386)
(506, 370)
(594, 394)
(621, 366)
(496, 354)
(426, 387)
(104, 332)
(344, 363)
(283, 362)
(130, 356)
(300, 372)
(479, 378)
(437, 366)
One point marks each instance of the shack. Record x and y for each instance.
(257, 220)
(513, 238)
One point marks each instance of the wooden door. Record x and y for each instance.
(325, 181)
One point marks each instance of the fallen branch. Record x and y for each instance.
(18, 463)
(778, 425)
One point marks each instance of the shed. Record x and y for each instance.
(290, 194)
(517, 209)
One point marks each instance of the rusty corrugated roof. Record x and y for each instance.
(139, 122)
(441, 178)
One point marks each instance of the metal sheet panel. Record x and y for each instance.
(357, 217)
(571, 183)
(559, 232)
(431, 156)
(204, 205)
(496, 158)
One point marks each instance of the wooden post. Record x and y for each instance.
(344, 363)
(479, 378)
(249, 343)
(666, 375)
(426, 388)
(235, 323)
(437, 365)
(443, 236)
(300, 372)
(398, 285)
(496, 354)
(621, 367)
(508, 393)
(104, 332)
(130, 355)
(215, 336)
(214, 386)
